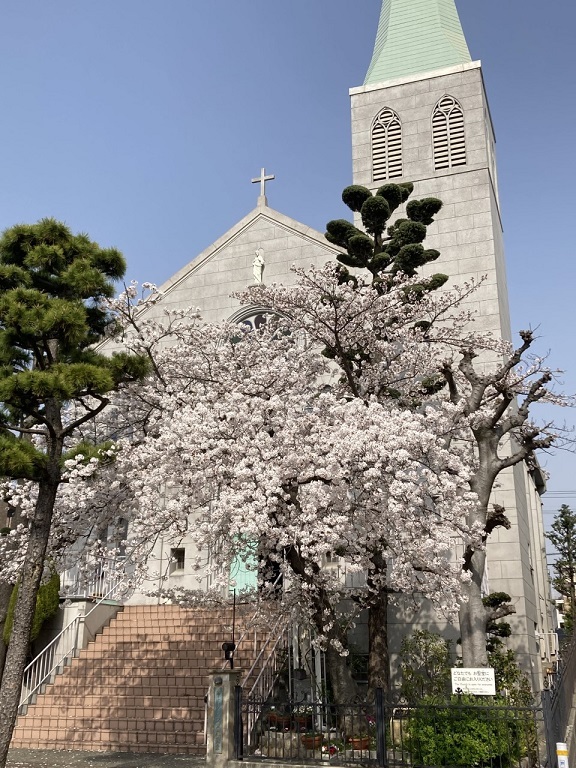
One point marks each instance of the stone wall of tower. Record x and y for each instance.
(468, 233)
(468, 230)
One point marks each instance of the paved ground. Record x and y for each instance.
(48, 758)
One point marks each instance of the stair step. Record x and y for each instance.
(139, 686)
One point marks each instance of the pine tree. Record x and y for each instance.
(563, 537)
(52, 312)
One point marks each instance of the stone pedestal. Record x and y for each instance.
(220, 714)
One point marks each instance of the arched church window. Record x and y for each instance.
(448, 135)
(386, 146)
(251, 317)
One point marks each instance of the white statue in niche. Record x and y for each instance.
(258, 266)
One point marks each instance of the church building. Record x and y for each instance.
(421, 116)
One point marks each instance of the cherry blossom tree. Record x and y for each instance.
(267, 454)
(367, 421)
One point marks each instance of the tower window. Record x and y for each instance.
(448, 134)
(386, 146)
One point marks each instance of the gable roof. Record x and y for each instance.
(260, 214)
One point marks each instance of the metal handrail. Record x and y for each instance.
(264, 683)
(51, 658)
(107, 574)
(266, 650)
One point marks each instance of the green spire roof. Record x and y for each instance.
(416, 36)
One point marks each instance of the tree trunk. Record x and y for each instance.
(473, 616)
(378, 653)
(5, 593)
(344, 687)
(323, 614)
(32, 569)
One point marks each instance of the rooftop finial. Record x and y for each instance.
(262, 200)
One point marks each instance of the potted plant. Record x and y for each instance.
(311, 740)
(365, 737)
(361, 742)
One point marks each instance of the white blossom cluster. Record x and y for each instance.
(321, 435)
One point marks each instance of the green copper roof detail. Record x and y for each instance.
(416, 36)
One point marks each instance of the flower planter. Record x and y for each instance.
(276, 720)
(312, 742)
(359, 742)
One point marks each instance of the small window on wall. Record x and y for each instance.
(386, 146)
(178, 558)
(448, 134)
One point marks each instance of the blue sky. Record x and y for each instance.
(141, 122)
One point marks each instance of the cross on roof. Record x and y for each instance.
(263, 179)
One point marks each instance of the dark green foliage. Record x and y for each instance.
(495, 629)
(437, 281)
(406, 188)
(432, 384)
(88, 451)
(393, 194)
(19, 459)
(375, 213)
(47, 602)
(409, 258)
(360, 248)
(406, 233)
(423, 210)
(496, 599)
(503, 629)
(463, 730)
(340, 231)
(51, 315)
(510, 679)
(390, 249)
(355, 196)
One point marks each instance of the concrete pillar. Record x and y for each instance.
(220, 717)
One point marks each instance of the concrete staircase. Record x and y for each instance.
(140, 686)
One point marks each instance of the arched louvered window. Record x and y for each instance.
(386, 146)
(448, 134)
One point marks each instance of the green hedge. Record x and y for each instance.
(464, 733)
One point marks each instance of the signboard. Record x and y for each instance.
(478, 681)
(218, 719)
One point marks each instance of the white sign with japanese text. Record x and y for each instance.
(478, 681)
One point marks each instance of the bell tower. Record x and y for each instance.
(422, 116)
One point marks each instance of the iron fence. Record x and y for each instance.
(460, 733)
